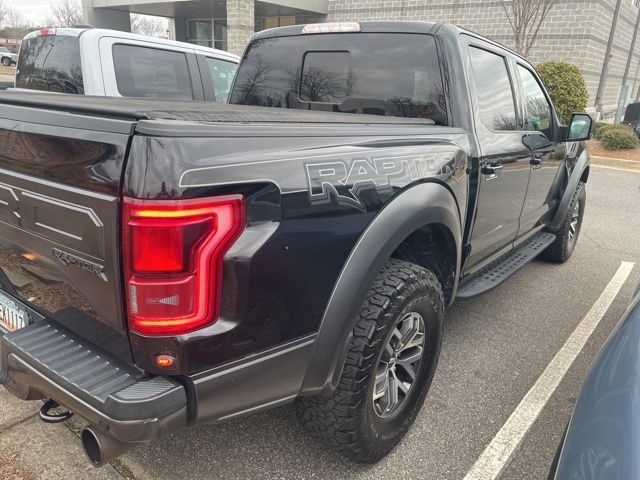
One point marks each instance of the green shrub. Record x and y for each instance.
(566, 86)
(601, 129)
(620, 139)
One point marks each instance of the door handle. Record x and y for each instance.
(537, 159)
(491, 170)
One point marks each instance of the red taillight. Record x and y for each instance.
(173, 253)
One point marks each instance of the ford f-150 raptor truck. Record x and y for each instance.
(169, 264)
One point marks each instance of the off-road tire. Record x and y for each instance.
(346, 420)
(564, 244)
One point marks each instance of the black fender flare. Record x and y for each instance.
(421, 205)
(582, 163)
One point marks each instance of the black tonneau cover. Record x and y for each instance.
(154, 109)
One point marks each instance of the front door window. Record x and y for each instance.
(537, 106)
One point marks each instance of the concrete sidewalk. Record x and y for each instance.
(31, 450)
(616, 163)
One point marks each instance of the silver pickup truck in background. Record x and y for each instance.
(7, 58)
(94, 61)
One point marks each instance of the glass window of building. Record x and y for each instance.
(211, 32)
(273, 22)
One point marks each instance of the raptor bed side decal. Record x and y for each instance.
(336, 176)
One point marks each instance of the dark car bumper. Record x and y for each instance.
(45, 360)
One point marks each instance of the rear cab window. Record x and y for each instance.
(51, 63)
(367, 73)
(152, 72)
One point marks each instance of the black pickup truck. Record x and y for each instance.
(168, 264)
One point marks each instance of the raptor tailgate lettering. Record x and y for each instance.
(58, 247)
(72, 225)
(59, 230)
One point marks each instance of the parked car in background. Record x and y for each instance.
(93, 61)
(7, 58)
(602, 439)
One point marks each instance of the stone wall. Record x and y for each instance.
(240, 24)
(602, 18)
(105, 18)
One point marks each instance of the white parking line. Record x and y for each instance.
(497, 454)
(618, 169)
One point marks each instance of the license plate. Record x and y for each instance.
(14, 314)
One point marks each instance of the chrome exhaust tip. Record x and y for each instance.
(101, 448)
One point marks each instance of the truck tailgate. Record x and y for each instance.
(60, 177)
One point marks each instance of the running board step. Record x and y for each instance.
(502, 268)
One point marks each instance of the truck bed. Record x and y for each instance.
(134, 109)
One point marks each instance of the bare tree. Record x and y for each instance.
(319, 84)
(3, 12)
(13, 18)
(249, 90)
(65, 13)
(14, 24)
(525, 18)
(149, 25)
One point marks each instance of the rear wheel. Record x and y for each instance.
(6, 61)
(389, 367)
(567, 234)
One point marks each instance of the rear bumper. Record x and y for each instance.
(45, 360)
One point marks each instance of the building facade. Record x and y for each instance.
(223, 24)
(577, 31)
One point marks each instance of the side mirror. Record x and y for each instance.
(580, 127)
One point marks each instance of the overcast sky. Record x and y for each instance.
(32, 10)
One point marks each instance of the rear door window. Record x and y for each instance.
(380, 74)
(222, 74)
(493, 88)
(51, 63)
(151, 72)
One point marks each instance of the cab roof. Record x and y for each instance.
(103, 32)
(429, 28)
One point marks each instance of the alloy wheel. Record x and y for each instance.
(574, 224)
(398, 366)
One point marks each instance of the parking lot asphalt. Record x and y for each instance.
(495, 348)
